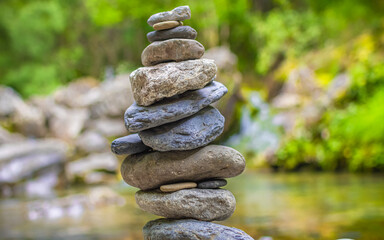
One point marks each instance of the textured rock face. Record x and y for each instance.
(130, 144)
(138, 118)
(190, 229)
(185, 32)
(171, 50)
(200, 204)
(151, 84)
(178, 166)
(189, 133)
(178, 14)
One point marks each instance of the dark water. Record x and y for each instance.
(282, 206)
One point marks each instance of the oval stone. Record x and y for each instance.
(171, 50)
(190, 229)
(212, 184)
(138, 118)
(200, 204)
(209, 162)
(130, 144)
(189, 133)
(178, 14)
(185, 32)
(166, 25)
(152, 84)
(177, 186)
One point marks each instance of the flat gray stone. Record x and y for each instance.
(196, 165)
(138, 118)
(189, 133)
(185, 32)
(130, 144)
(178, 14)
(171, 50)
(212, 184)
(183, 229)
(200, 204)
(152, 84)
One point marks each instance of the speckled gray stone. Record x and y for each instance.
(178, 14)
(185, 32)
(189, 133)
(200, 204)
(195, 165)
(212, 184)
(152, 84)
(190, 229)
(130, 144)
(138, 118)
(171, 50)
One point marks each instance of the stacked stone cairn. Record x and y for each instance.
(178, 175)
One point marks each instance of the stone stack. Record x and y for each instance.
(178, 175)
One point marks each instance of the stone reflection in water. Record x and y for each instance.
(164, 228)
(73, 205)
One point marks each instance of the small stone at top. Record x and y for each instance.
(166, 25)
(178, 14)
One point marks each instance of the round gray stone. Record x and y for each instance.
(209, 162)
(168, 229)
(189, 133)
(200, 204)
(185, 32)
(171, 50)
(178, 14)
(212, 184)
(130, 144)
(152, 84)
(138, 118)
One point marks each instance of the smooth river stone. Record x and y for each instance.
(130, 144)
(200, 204)
(138, 118)
(178, 14)
(185, 32)
(169, 229)
(152, 84)
(171, 50)
(166, 25)
(189, 133)
(177, 186)
(209, 162)
(212, 184)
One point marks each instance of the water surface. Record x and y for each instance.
(282, 206)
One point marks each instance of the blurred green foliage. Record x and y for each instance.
(47, 43)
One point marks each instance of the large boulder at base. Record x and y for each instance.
(171, 50)
(200, 204)
(185, 32)
(189, 133)
(138, 118)
(151, 84)
(212, 161)
(168, 229)
(177, 14)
